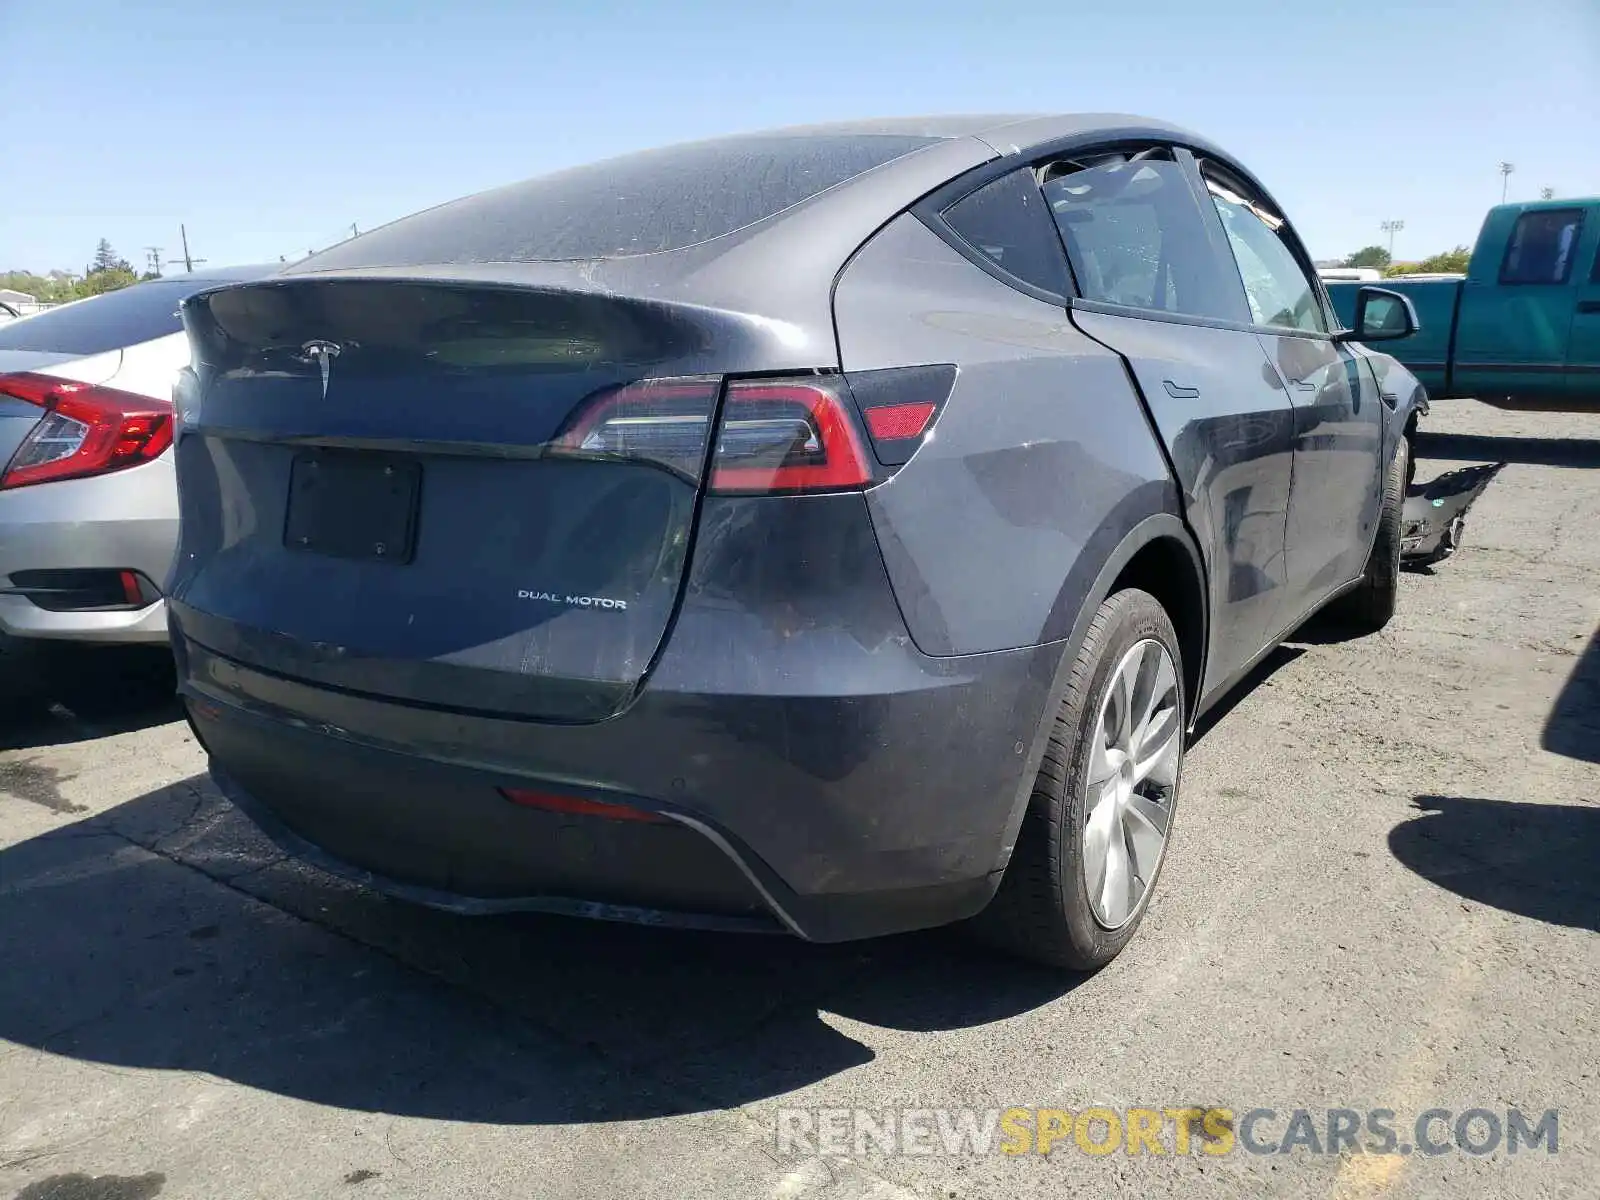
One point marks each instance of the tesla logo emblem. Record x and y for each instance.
(321, 353)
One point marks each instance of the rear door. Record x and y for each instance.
(1154, 286)
(1338, 418)
(1515, 322)
(1583, 347)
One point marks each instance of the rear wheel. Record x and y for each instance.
(1098, 823)
(1372, 605)
(25, 666)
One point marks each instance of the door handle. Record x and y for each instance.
(1180, 393)
(1305, 385)
(1589, 306)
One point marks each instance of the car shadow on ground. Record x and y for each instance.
(1574, 725)
(1535, 860)
(1258, 676)
(1478, 448)
(167, 934)
(77, 694)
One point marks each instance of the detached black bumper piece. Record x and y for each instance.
(1435, 514)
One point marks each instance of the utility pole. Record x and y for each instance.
(354, 232)
(188, 259)
(1391, 228)
(152, 256)
(1547, 193)
(1505, 178)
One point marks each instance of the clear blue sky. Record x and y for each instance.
(268, 127)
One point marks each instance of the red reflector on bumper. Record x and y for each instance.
(892, 422)
(131, 591)
(578, 807)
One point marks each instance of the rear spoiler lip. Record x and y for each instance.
(750, 342)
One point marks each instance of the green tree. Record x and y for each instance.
(97, 283)
(106, 273)
(106, 259)
(1369, 256)
(55, 288)
(1451, 260)
(24, 281)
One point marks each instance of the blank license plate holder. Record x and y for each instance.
(356, 506)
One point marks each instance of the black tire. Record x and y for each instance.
(1372, 604)
(24, 668)
(1042, 910)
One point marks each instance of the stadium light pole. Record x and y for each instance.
(1391, 228)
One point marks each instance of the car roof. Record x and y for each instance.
(780, 268)
(237, 274)
(485, 228)
(1018, 132)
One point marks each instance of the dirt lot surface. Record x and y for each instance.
(1384, 894)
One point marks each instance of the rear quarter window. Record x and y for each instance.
(1006, 221)
(642, 203)
(122, 318)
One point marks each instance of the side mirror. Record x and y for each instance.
(1382, 316)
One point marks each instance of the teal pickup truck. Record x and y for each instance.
(1522, 328)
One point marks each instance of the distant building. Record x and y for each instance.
(22, 302)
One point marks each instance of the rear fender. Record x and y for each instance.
(1160, 526)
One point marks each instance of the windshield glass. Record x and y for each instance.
(100, 323)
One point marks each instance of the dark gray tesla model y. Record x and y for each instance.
(836, 529)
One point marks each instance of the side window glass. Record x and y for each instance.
(1542, 246)
(1006, 222)
(1279, 291)
(1135, 235)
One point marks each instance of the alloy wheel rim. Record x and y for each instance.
(1132, 783)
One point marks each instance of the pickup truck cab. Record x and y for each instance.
(1522, 328)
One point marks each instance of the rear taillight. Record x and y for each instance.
(663, 421)
(788, 436)
(800, 434)
(85, 430)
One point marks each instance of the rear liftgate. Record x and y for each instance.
(482, 499)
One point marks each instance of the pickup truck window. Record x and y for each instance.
(1135, 236)
(1280, 292)
(1542, 247)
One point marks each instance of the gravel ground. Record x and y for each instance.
(1383, 894)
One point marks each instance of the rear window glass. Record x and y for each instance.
(1542, 246)
(638, 204)
(121, 318)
